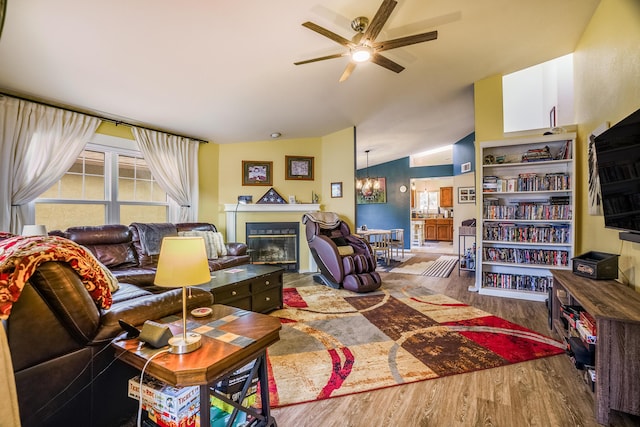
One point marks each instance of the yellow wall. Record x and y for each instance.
(230, 170)
(209, 181)
(338, 165)
(220, 177)
(487, 96)
(111, 129)
(607, 88)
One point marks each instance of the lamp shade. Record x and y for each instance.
(182, 262)
(34, 230)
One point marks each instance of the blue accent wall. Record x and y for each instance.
(464, 151)
(396, 213)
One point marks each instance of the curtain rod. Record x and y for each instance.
(106, 119)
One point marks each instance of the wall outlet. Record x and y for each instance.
(243, 200)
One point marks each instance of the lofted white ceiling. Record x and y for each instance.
(223, 71)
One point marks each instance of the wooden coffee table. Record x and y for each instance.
(252, 287)
(216, 359)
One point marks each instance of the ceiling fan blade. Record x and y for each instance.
(385, 62)
(322, 58)
(347, 71)
(379, 20)
(405, 41)
(329, 34)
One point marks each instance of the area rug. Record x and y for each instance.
(335, 342)
(396, 261)
(440, 267)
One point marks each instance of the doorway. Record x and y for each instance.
(432, 215)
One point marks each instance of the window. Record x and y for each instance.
(428, 201)
(539, 97)
(108, 184)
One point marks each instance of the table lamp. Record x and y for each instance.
(182, 263)
(34, 230)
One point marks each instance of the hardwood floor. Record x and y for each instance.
(546, 392)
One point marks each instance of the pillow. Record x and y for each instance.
(113, 283)
(345, 250)
(209, 241)
(219, 242)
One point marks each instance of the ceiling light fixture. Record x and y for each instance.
(369, 187)
(361, 53)
(275, 135)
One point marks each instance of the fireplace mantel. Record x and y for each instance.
(266, 207)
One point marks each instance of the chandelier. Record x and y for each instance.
(369, 187)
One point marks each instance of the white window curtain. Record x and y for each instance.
(38, 144)
(173, 161)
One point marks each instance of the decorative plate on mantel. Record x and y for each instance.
(272, 197)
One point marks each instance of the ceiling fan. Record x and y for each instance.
(363, 47)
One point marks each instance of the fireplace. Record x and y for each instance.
(274, 243)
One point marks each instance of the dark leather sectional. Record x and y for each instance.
(64, 366)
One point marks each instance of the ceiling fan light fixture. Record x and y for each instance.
(361, 53)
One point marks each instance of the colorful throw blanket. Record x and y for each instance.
(20, 257)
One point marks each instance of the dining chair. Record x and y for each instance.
(380, 246)
(397, 241)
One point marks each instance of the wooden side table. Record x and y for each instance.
(247, 336)
(616, 309)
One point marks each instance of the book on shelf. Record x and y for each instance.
(566, 152)
(527, 233)
(521, 282)
(537, 154)
(529, 256)
(559, 200)
(490, 184)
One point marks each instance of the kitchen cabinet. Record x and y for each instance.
(444, 229)
(446, 197)
(440, 229)
(430, 229)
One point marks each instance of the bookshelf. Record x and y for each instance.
(527, 203)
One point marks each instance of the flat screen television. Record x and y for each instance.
(618, 159)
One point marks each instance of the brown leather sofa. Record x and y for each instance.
(131, 252)
(64, 366)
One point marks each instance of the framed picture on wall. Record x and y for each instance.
(371, 190)
(336, 189)
(299, 168)
(466, 195)
(257, 172)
